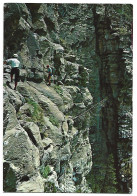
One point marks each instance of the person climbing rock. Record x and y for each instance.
(49, 74)
(14, 63)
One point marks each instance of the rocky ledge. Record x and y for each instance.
(45, 149)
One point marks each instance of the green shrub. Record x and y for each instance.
(59, 90)
(54, 121)
(45, 171)
(36, 112)
(78, 190)
(50, 188)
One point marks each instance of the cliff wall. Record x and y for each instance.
(75, 135)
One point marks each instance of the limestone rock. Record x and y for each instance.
(15, 99)
(49, 92)
(46, 142)
(53, 132)
(33, 132)
(33, 185)
(10, 119)
(21, 151)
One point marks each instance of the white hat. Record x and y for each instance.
(15, 55)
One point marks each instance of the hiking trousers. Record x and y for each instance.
(15, 71)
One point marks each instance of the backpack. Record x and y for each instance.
(52, 70)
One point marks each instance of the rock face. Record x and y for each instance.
(52, 132)
(45, 149)
(40, 134)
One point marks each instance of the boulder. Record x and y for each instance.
(33, 185)
(20, 150)
(23, 75)
(53, 132)
(15, 99)
(9, 113)
(34, 133)
(23, 90)
(46, 142)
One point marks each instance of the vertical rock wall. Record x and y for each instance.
(113, 69)
(101, 39)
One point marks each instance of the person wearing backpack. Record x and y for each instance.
(49, 74)
(15, 64)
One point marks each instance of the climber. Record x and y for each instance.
(49, 74)
(14, 63)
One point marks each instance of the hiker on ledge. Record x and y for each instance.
(14, 63)
(49, 74)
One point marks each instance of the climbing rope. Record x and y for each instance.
(101, 103)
